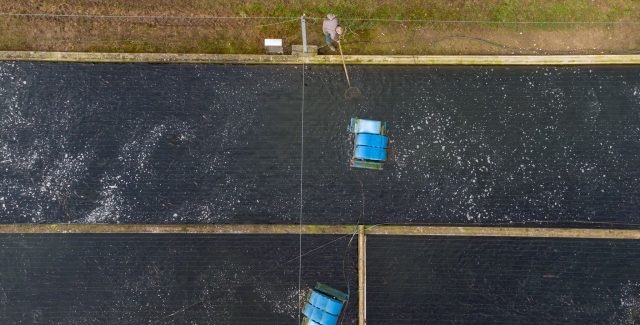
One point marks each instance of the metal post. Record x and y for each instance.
(303, 23)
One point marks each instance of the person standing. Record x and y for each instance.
(332, 30)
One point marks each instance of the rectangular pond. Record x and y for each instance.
(168, 279)
(465, 280)
(145, 143)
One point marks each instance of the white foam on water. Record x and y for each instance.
(110, 204)
(35, 148)
(629, 304)
(283, 305)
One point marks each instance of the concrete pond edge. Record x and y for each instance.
(294, 229)
(91, 57)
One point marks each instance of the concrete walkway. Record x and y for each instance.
(320, 59)
(400, 230)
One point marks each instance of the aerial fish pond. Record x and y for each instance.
(144, 143)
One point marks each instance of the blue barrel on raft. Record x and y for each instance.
(324, 305)
(370, 143)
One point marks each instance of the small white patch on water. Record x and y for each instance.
(629, 304)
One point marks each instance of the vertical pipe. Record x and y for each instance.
(303, 26)
(362, 276)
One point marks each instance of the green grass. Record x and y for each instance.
(565, 11)
(499, 10)
(246, 36)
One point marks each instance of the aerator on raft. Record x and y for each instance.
(324, 305)
(369, 143)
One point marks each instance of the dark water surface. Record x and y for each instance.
(412, 280)
(141, 143)
(167, 279)
(253, 279)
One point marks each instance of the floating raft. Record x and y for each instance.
(370, 143)
(324, 305)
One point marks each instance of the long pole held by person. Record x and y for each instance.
(344, 65)
(351, 92)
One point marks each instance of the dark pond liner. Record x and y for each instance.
(144, 143)
(167, 279)
(447, 280)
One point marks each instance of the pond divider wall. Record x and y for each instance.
(294, 229)
(319, 59)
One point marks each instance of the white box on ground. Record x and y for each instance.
(273, 42)
(273, 46)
